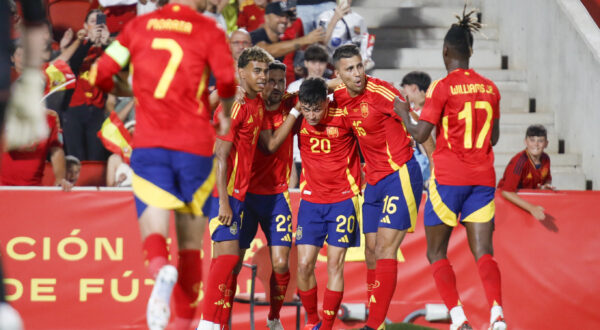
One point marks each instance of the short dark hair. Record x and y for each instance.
(87, 16)
(345, 51)
(277, 65)
(71, 160)
(460, 35)
(313, 91)
(316, 53)
(536, 130)
(254, 53)
(419, 78)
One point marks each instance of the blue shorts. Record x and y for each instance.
(220, 232)
(445, 203)
(393, 202)
(171, 180)
(336, 222)
(274, 215)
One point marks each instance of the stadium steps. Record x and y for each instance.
(409, 36)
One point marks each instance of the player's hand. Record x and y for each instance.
(316, 35)
(538, 212)
(400, 106)
(225, 214)
(64, 184)
(66, 38)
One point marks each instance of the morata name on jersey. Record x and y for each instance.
(471, 89)
(161, 24)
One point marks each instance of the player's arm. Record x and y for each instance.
(222, 150)
(496, 132)
(270, 140)
(333, 83)
(59, 167)
(221, 66)
(108, 65)
(340, 11)
(421, 131)
(282, 48)
(536, 210)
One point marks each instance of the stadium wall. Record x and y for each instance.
(558, 44)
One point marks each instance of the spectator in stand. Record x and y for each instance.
(214, 9)
(252, 16)
(315, 62)
(118, 171)
(276, 20)
(343, 26)
(86, 111)
(238, 41)
(309, 11)
(293, 31)
(73, 169)
(529, 169)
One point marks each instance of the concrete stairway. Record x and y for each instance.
(409, 36)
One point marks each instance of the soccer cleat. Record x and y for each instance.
(311, 326)
(499, 324)
(274, 324)
(158, 312)
(463, 326)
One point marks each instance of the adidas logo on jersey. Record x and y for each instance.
(386, 219)
(304, 131)
(344, 239)
(286, 238)
(251, 120)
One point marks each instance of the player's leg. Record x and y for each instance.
(371, 215)
(335, 285)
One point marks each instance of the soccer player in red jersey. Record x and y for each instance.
(171, 52)
(529, 169)
(329, 188)
(394, 180)
(464, 107)
(235, 152)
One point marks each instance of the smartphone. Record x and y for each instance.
(100, 19)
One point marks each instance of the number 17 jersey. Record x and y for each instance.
(463, 106)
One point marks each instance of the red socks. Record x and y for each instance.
(490, 276)
(221, 271)
(370, 284)
(331, 304)
(309, 301)
(385, 284)
(228, 303)
(445, 280)
(278, 284)
(187, 288)
(155, 253)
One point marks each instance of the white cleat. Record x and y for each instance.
(158, 312)
(9, 318)
(499, 324)
(462, 326)
(274, 324)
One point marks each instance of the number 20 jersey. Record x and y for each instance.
(463, 106)
(172, 52)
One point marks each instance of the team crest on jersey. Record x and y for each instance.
(364, 109)
(332, 132)
(299, 233)
(233, 228)
(356, 29)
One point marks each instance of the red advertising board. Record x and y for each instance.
(73, 261)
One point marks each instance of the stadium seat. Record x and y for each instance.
(93, 173)
(65, 14)
(261, 269)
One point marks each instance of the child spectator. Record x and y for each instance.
(529, 169)
(73, 169)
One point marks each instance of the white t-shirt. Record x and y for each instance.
(351, 29)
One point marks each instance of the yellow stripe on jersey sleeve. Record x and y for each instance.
(384, 90)
(375, 89)
(431, 88)
(118, 53)
(235, 110)
(203, 82)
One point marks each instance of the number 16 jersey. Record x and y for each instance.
(463, 106)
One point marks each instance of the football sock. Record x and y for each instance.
(331, 304)
(225, 313)
(221, 270)
(490, 276)
(309, 301)
(457, 314)
(187, 288)
(370, 284)
(278, 284)
(385, 284)
(155, 253)
(445, 280)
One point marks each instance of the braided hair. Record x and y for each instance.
(460, 35)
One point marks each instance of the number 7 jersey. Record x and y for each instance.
(463, 106)
(171, 52)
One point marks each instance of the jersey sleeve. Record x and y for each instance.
(435, 101)
(512, 175)
(115, 57)
(496, 109)
(237, 119)
(221, 63)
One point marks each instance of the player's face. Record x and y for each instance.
(255, 75)
(315, 68)
(414, 94)
(275, 86)
(238, 42)
(352, 72)
(313, 113)
(276, 23)
(535, 145)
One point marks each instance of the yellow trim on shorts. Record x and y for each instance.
(484, 214)
(153, 195)
(409, 196)
(202, 194)
(441, 210)
(286, 195)
(213, 224)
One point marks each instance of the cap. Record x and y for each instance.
(276, 7)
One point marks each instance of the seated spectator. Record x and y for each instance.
(252, 16)
(343, 26)
(73, 169)
(309, 11)
(25, 166)
(214, 9)
(414, 87)
(529, 169)
(118, 172)
(276, 20)
(315, 62)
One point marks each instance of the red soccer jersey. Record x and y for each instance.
(25, 167)
(382, 137)
(246, 122)
(172, 51)
(330, 160)
(521, 173)
(85, 93)
(271, 172)
(463, 107)
(251, 17)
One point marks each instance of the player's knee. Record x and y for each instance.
(305, 268)
(280, 264)
(482, 250)
(335, 268)
(434, 256)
